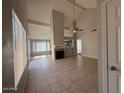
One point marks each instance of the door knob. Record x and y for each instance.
(113, 68)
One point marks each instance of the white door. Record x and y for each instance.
(114, 45)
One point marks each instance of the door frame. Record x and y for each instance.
(102, 46)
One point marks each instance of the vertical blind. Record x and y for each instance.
(20, 48)
(40, 46)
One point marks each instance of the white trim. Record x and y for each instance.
(102, 62)
(90, 56)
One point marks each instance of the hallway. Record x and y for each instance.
(69, 75)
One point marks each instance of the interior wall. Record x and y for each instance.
(39, 32)
(20, 7)
(7, 43)
(88, 22)
(68, 33)
(58, 27)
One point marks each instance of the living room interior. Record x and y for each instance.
(55, 46)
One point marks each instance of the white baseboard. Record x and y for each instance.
(90, 56)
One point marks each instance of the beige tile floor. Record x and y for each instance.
(69, 75)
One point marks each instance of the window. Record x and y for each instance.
(40, 46)
(19, 48)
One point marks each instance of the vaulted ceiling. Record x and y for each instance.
(40, 10)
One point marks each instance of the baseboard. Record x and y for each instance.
(90, 56)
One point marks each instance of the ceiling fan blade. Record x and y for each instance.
(93, 30)
(80, 30)
(76, 28)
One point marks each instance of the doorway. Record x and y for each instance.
(79, 46)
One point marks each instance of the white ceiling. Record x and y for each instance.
(67, 8)
(87, 3)
(40, 10)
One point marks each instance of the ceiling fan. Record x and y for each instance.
(75, 27)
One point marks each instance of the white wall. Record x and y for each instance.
(58, 27)
(68, 33)
(88, 22)
(39, 32)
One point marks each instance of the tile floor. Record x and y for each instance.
(69, 75)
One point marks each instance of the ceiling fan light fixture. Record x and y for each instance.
(75, 28)
(74, 31)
